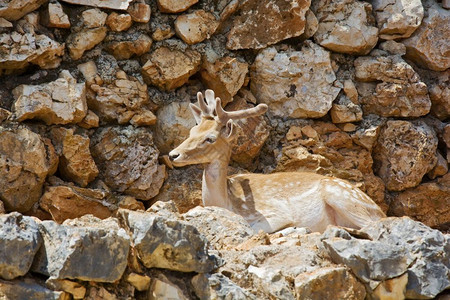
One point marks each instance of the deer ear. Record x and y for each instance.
(197, 112)
(230, 130)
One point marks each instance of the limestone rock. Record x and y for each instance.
(297, 84)
(13, 10)
(140, 282)
(329, 283)
(128, 161)
(28, 289)
(70, 202)
(367, 132)
(440, 96)
(121, 100)
(174, 6)
(93, 18)
(21, 49)
(19, 241)
(58, 102)
(164, 289)
(85, 39)
(54, 16)
(392, 288)
(345, 26)
(75, 160)
(428, 45)
(91, 120)
(168, 69)
(428, 203)
(218, 286)
(25, 161)
(168, 244)
(196, 27)
(260, 24)
(225, 77)
(69, 250)
(4, 115)
(404, 154)
(397, 19)
(441, 167)
(140, 12)
(312, 24)
(163, 33)
(344, 111)
(111, 4)
(119, 22)
(77, 290)
(2, 208)
(137, 44)
(430, 249)
(222, 228)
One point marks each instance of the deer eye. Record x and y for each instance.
(210, 139)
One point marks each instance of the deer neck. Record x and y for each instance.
(214, 185)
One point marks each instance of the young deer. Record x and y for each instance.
(267, 201)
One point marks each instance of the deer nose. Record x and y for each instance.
(173, 155)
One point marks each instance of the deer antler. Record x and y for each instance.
(213, 108)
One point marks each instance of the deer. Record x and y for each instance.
(268, 202)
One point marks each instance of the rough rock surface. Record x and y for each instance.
(175, 6)
(218, 286)
(429, 44)
(140, 12)
(55, 16)
(136, 44)
(298, 84)
(75, 160)
(345, 26)
(28, 289)
(128, 161)
(405, 153)
(440, 96)
(66, 248)
(196, 27)
(19, 242)
(168, 243)
(25, 161)
(119, 22)
(168, 69)
(397, 19)
(111, 4)
(344, 111)
(13, 10)
(282, 19)
(59, 102)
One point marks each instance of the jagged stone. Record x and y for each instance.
(344, 110)
(137, 45)
(392, 288)
(128, 161)
(367, 132)
(19, 242)
(345, 26)
(28, 289)
(164, 289)
(429, 43)
(25, 161)
(54, 16)
(93, 18)
(260, 24)
(168, 69)
(111, 4)
(405, 152)
(440, 96)
(69, 250)
(85, 39)
(196, 27)
(13, 10)
(140, 12)
(218, 286)
(77, 290)
(397, 19)
(163, 33)
(119, 22)
(441, 167)
(91, 120)
(140, 282)
(4, 115)
(174, 6)
(297, 84)
(168, 243)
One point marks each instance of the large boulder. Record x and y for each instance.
(296, 84)
(128, 160)
(260, 24)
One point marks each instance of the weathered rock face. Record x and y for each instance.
(440, 96)
(54, 16)
(19, 242)
(174, 6)
(119, 22)
(13, 10)
(429, 44)
(282, 19)
(128, 161)
(345, 26)
(404, 154)
(59, 102)
(397, 19)
(196, 27)
(344, 111)
(111, 4)
(168, 244)
(140, 12)
(285, 82)
(66, 248)
(136, 44)
(28, 289)
(218, 286)
(25, 161)
(168, 69)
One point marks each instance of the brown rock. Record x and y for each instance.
(138, 44)
(2, 208)
(89, 71)
(394, 288)
(345, 26)
(25, 161)
(128, 202)
(5, 23)
(441, 167)
(312, 24)
(196, 27)
(75, 160)
(140, 12)
(77, 290)
(91, 120)
(428, 203)
(111, 4)
(58, 102)
(295, 84)
(143, 118)
(344, 111)
(119, 22)
(54, 16)
(404, 153)
(84, 40)
(93, 18)
(175, 6)
(128, 161)
(225, 77)
(428, 45)
(168, 69)
(440, 96)
(262, 23)
(367, 132)
(13, 10)
(4, 115)
(140, 282)
(163, 33)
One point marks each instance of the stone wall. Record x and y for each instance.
(94, 93)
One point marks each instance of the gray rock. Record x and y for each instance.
(168, 243)
(218, 286)
(19, 242)
(87, 249)
(28, 289)
(429, 274)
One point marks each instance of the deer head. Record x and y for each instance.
(211, 138)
